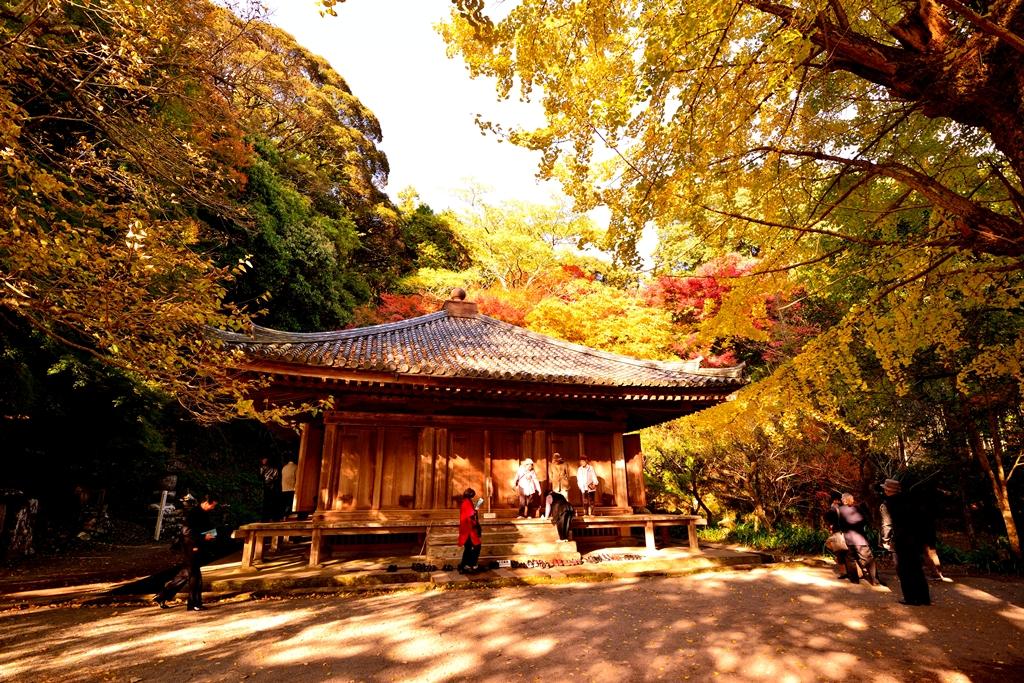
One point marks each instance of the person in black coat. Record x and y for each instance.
(903, 533)
(836, 542)
(195, 535)
(853, 524)
(561, 514)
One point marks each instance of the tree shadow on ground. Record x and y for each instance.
(775, 624)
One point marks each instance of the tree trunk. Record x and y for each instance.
(993, 469)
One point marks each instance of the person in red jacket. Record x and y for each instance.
(469, 533)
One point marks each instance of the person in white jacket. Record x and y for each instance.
(586, 479)
(527, 486)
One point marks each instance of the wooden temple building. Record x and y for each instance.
(426, 407)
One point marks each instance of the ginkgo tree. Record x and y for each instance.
(872, 152)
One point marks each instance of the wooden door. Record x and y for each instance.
(598, 447)
(357, 459)
(465, 464)
(506, 452)
(398, 467)
(568, 445)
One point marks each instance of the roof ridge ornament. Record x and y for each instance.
(457, 307)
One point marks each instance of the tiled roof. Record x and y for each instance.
(460, 343)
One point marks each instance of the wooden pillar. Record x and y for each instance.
(619, 472)
(691, 532)
(442, 468)
(649, 535)
(634, 470)
(488, 479)
(316, 547)
(248, 550)
(378, 471)
(257, 552)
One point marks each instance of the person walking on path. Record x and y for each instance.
(469, 533)
(902, 533)
(195, 534)
(527, 486)
(836, 542)
(586, 480)
(853, 523)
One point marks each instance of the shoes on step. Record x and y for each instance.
(163, 603)
(915, 604)
(197, 608)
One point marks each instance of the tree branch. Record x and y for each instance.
(985, 25)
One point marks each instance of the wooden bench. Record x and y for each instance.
(648, 523)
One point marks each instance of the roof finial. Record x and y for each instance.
(457, 306)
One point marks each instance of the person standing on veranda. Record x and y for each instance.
(527, 487)
(586, 480)
(288, 473)
(558, 474)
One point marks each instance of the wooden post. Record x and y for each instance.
(257, 553)
(315, 547)
(159, 516)
(619, 472)
(691, 532)
(486, 493)
(378, 474)
(424, 487)
(649, 535)
(247, 550)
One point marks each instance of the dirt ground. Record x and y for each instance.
(777, 623)
(87, 565)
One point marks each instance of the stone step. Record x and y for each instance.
(512, 548)
(561, 551)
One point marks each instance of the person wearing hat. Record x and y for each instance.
(527, 486)
(558, 474)
(903, 534)
(586, 480)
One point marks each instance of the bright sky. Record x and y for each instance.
(395, 63)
